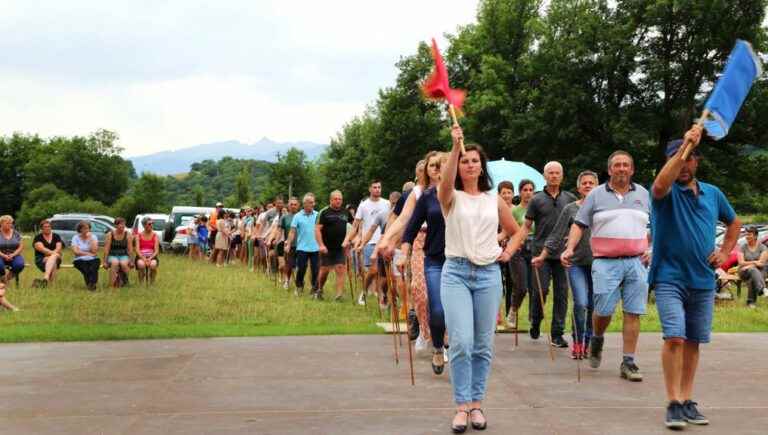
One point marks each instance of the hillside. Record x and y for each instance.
(180, 161)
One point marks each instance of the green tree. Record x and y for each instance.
(15, 152)
(86, 167)
(47, 200)
(293, 170)
(242, 189)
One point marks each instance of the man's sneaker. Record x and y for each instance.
(297, 291)
(361, 299)
(512, 320)
(765, 292)
(413, 325)
(675, 418)
(285, 284)
(692, 414)
(534, 331)
(560, 342)
(630, 371)
(595, 351)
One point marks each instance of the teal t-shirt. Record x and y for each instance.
(304, 223)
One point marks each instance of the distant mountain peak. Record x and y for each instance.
(180, 160)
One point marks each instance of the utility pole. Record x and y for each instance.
(290, 186)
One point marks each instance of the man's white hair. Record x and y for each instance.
(308, 195)
(553, 164)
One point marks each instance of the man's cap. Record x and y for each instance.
(218, 204)
(674, 145)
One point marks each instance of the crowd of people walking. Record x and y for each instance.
(456, 243)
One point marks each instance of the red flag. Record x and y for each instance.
(436, 86)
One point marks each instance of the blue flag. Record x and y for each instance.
(741, 70)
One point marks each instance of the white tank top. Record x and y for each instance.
(471, 227)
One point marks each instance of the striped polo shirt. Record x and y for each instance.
(619, 223)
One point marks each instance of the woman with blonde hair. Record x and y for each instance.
(11, 247)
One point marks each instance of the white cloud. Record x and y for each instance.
(172, 74)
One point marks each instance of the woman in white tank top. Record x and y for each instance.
(470, 286)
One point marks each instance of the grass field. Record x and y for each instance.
(195, 299)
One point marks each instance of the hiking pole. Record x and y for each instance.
(541, 298)
(407, 326)
(349, 280)
(392, 311)
(575, 331)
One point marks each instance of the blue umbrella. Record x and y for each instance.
(503, 170)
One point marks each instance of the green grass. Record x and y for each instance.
(195, 299)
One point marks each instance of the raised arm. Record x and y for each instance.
(448, 172)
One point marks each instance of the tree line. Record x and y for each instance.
(87, 174)
(572, 81)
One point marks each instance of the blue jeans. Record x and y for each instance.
(16, 265)
(581, 286)
(433, 269)
(471, 295)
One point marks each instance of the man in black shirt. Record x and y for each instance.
(543, 211)
(331, 234)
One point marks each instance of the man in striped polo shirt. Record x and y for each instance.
(618, 213)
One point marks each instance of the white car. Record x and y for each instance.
(181, 237)
(159, 221)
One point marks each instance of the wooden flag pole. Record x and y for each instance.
(452, 110)
(700, 123)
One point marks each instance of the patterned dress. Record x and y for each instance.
(419, 285)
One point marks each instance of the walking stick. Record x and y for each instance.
(541, 298)
(407, 273)
(575, 331)
(350, 280)
(392, 311)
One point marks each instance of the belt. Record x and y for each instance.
(624, 257)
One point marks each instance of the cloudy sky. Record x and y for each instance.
(171, 74)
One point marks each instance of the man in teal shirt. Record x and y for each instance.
(307, 250)
(684, 214)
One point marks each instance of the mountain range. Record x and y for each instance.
(179, 161)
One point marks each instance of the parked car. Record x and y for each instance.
(66, 227)
(175, 220)
(181, 237)
(104, 218)
(159, 221)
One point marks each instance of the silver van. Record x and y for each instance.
(66, 227)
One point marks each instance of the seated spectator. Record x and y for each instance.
(11, 247)
(752, 261)
(3, 301)
(85, 245)
(147, 248)
(48, 246)
(118, 252)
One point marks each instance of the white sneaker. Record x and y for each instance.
(285, 284)
(765, 292)
(724, 296)
(361, 299)
(421, 345)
